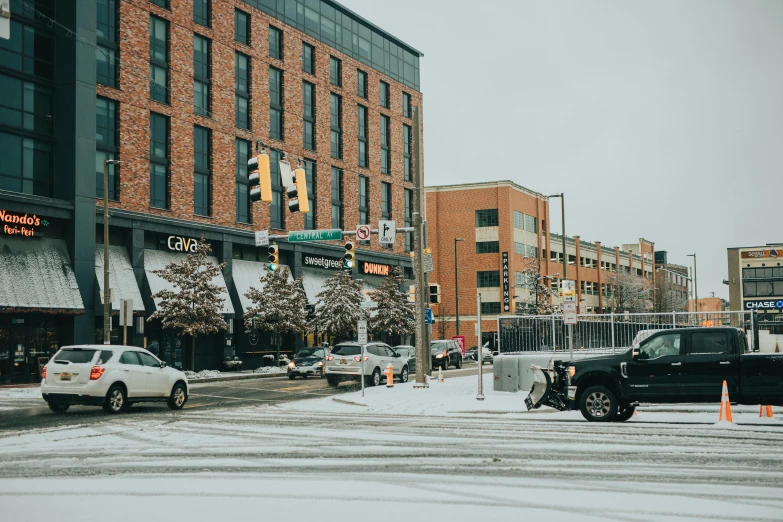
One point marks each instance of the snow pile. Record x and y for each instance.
(269, 369)
(13, 398)
(203, 374)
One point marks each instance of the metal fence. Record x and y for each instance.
(606, 333)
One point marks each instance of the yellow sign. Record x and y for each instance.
(428, 251)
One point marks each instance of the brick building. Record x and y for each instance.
(180, 92)
(487, 223)
(756, 283)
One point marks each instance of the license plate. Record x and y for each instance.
(65, 376)
(343, 361)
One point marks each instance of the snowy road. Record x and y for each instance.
(333, 460)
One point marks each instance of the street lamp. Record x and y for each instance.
(106, 289)
(695, 283)
(456, 280)
(562, 218)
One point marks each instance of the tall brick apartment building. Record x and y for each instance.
(499, 219)
(180, 91)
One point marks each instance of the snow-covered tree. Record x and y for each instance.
(194, 306)
(337, 310)
(629, 292)
(278, 306)
(533, 296)
(394, 314)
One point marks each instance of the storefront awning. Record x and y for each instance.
(247, 275)
(121, 277)
(158, 259)
(36, 275)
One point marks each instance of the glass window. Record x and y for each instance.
(487, 247)
(308, 96)
(660, 346)
(487, 218)
(384, 94)
(242, 90)
(275, 43)
(276, 211)
(488, 279)
(364, 160)
(361, 84)
(28, 50)
(105, 145)
(490, 308)
(335, 122)
(337, 198)
(75, 356)
(25, 105)
(202, 145)
(335, 72)
(308, 58)
(159, 161)
(275, 103)
(106, 40)
(147, 359)
(311, 177)
(386, 200)
(201, 75)
(130, 358)
(406, 152)
(201, 12)
(385, 139)
(161, 3)
(159, 56)
(26, 165)
(408, 218)
(364, 202)
(406, 104)
(241, 27)
(243, 151)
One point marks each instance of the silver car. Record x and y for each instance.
(346, 362)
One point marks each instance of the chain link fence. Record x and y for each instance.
(607, 333)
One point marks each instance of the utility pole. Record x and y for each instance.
(106, 288)
(695, 285)
(456, 280)
(422, 293)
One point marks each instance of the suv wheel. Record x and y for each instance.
(116, 399)
(404, 374)
(458, 364)
(178, 397)
(376, 377)
(598, 404)
(332, 381)
(58, 407)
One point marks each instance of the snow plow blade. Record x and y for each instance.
(546, 389)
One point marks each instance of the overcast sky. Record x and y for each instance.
(658, 119)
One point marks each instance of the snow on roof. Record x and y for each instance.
(248, 274)
(313, 282)
(122, 280)
(37, 274)
(158, 259)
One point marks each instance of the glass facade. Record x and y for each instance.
(311, 180)
(159, 59)
(106, 40)
(361, 118)
(242, 90)
(406, 104)
(201, 75)
(275, 43)
(275, 103)
(337, 198)
(346, 32)
(361, 84)
(408, 219)
(308, 58)
(385, 139)
(384, 94)
(336, 125)
(202, 12)
(525, 222)
(241, 27)
(335, 72)
(487, 247)
(308, 96)
(364, 202)
(159, 161)
(105, 145)
(202, 162)
(487, 218)
(276, 211)
(407, 133)
(488, 279)
(243, 150)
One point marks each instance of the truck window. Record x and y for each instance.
(709, 343)
(743, 342)
(667, 344)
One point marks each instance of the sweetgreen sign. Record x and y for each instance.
(298, 236)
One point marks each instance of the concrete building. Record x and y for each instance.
(499, 229)
(756, 283)
(312, 80)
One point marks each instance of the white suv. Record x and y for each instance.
(110, 376)
(345, 363)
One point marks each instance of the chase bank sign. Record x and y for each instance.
(760, 304)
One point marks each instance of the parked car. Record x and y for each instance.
(669, 366)
(308, 361)
(408, 351)
(114, 377)
(345, 363)
(470, 354)
(445, 353)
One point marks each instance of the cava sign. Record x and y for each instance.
(181, 244)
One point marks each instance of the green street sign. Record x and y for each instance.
(299, 236)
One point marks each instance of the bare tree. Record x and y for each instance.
(194, 306)
(443, 319)
(669, 297)
(630, 292)
(533, 296)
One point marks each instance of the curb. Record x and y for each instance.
(237, 378)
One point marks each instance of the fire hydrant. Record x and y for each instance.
(389, 376)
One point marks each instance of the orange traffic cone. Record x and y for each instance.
(769, 411)
(635, 413)
(725, 406)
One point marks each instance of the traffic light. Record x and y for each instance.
(297, 193)
(259, 178)
(272, 266)
(434, 293)
(348, 257)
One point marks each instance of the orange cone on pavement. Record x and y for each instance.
(725, 406)
(768, 411)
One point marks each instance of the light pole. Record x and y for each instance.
(562, 218)
(456, 280)
(106, 289)
(695, 284)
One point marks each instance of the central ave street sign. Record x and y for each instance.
(299, 236)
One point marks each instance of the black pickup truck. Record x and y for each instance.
(679, 365)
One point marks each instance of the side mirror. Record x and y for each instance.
(163, 364)
(635, 354)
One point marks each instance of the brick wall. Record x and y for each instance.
(135, 106)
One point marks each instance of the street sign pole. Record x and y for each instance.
(480, 353)
(418, 247)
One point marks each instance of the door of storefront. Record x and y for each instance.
(25, 347)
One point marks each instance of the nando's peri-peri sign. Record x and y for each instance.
(22, 225)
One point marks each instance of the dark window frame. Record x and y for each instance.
(244, 212)
(362, 123)
(384, 94)
(311, 177)
(488, 279)
(275, 42)
(361, 84)
(156, 63)
(109, 148)
(308, 116)
(203, 18)
(337, 219)
(407, 158)
(406, 105)
(242, 91)
(487, 217)
(308, 58)
(490, 307)
(335, 71)
(110, 44)
(336, 125)
(202, 169)
(385, 144)
(487, 247)
(199, 76)
(238, 35)
(160, 161)
(408, 202)
(364, 202)
(277, 208)
(276, 101)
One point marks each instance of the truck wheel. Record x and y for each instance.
(332, 381)
(458, 364)
(598, 404)
(625, 414)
